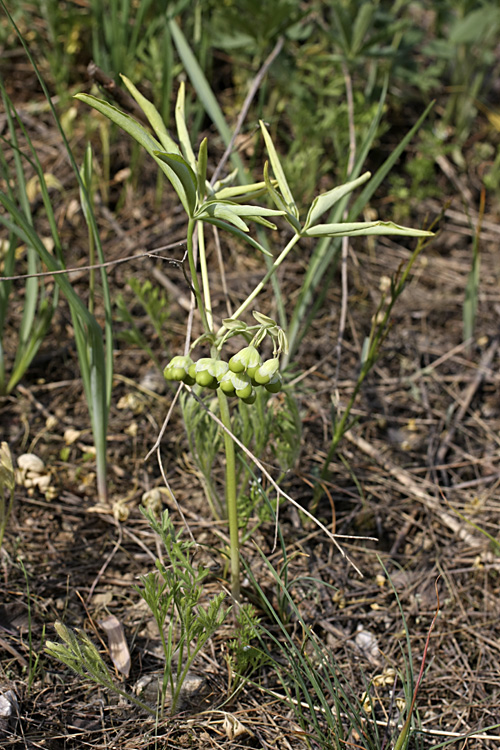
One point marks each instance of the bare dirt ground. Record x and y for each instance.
(420, 471)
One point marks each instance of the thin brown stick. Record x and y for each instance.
(106, 264)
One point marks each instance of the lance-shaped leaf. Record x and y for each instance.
(182, 131)
(279, 202)
(153, 116)
(279, 173)
(139, 134)
(220, 209)
(201, 168)
(324, 202)
(237, 233)
(240, 192)
(186, 176)
(363, 228)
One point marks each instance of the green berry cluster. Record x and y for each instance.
(239, 377)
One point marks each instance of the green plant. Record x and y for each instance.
(228, 208)
(34, 658)
(324, 704)
(40, 302)
(371, 351)
(172, 593)
(95, 356)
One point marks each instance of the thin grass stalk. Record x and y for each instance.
(321, 270)
(96, 360)
(203, 89)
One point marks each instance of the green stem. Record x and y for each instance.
(279, 260)
(204, 277)
(231, 497)
(194, 277)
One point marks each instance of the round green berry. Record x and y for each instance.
(204, 378)
(267, 371)
(245, 392)
(226, 384)
(248, 357)
(275, 384)
(251, 398)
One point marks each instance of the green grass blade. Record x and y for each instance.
(202, 88)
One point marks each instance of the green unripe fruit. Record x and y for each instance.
(177, 368)
(245, 392)
(246, 358)
(226, 384)
(267, 371)
(275, 384)
(251, 398)
(252, 370)
(204, 378)
(177, 373)
(219, 369)
(192, 372)
(204, 364)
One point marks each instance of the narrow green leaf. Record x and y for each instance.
(201, 169)
(240, 192)
(361, 25)
(380, 175)
(182, 131)
(187, 177)
(324, 202)
(237, 233)
(221, 211)
(246, 210)
(279, 173)
(279, 202)
(263, 222)
(124, 120)
(202, 88)
(153, 116)
(362, 228)
(139, 134)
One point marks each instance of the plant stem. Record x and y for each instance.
(194, 278)
(279, 260)
(232, 510)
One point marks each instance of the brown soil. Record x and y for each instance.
(419, 471)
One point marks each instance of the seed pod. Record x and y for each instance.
(204, 364)
(247, 357)
(177, 369)
(275, 384)
(205, 379)
(226, 383)
(251, 398)
(267, 371)
(242, 383)
(219, 369)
